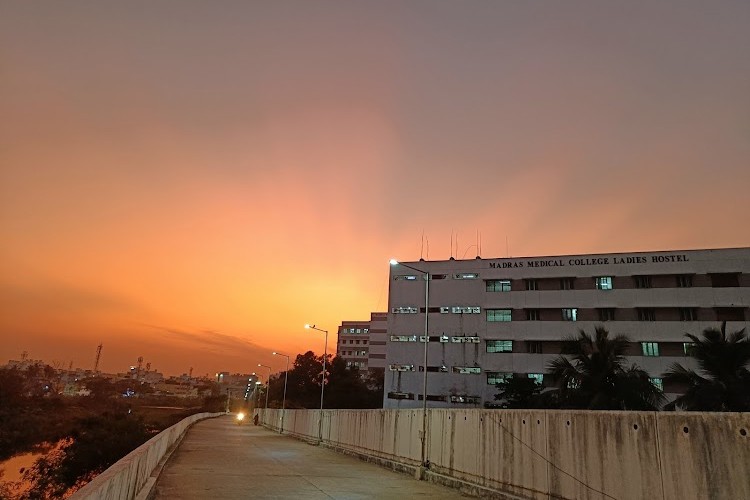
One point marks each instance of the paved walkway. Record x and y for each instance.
(219, 459)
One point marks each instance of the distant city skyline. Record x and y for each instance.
(193, 182)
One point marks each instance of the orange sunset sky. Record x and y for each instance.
(192, 182)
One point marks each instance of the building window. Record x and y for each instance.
(466, 370)
(405, 310)
(465, 276)
(567, 283)
(642, 281)
(534, 346)
(351, 330)
(646, 314)
(650, 348)
(724, 280)
(604, 283)
(461, 340)
(498, 314)
(537, 377)
(471, 400)
(498, 285)
(688, 314)
(730, 314)
(365, 330)
(401, 368)
(531, 285)
(570, 314)
(687, 348)
(405, 277)
(606, 314)
(465, 310)
(658, 383)
(499, 346)
(359, 330)
(400, 395)
(494, 378)
(532, 314)
(684, 281)
(438, 276)
(356, 341)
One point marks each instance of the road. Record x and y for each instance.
(219, 459)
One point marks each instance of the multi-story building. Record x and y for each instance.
(489, 319)
(362, 343)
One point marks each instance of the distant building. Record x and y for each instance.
(490, 319)
(361, 344)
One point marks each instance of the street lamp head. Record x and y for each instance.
(259, 364)
(275, 353)
(393, 262)
(308, 326)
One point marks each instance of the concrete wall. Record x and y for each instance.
(131, 475)
(552, 453)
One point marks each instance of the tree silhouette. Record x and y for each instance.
(596, 377)
(724, 382)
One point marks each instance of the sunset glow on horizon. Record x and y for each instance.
(194, 182)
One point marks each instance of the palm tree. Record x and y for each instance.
(595, 375)
(724, 382)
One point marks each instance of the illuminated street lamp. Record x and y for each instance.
(394, 262)
(283, 400)
(323, 381)
(268, 383)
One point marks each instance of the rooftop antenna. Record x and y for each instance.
(24, 355)
(451, 244)
(421, 249)
(428, 248)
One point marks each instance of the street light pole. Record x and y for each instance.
(323, 381)
(283, 400)
(394, 262)
(268, 383)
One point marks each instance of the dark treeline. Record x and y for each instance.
(345, 386)
(87, 433)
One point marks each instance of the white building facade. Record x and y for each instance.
(490, 319)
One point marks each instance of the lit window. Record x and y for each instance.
(570, 314)
(498, 314)
(498, 286)
(494, 378)
(650, 348)
(537, 377)
(658, 383)
(604, 283)
(351, 330)
(365, 330)
(358, 330)
(466, 276)
(444, 338)
(687, 314)
(465, 370)
(499, 346)
(445, 309)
